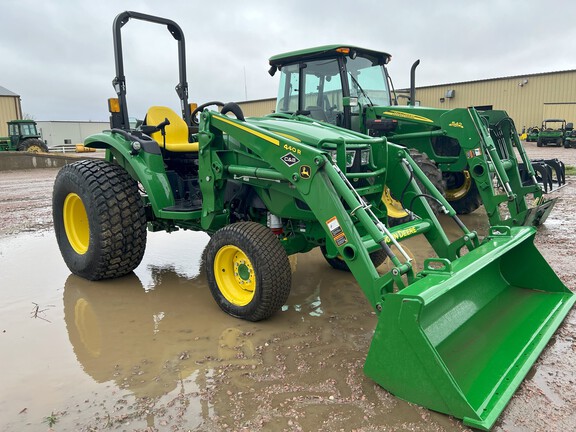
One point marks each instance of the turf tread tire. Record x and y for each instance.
(116, 219)
(270, 263)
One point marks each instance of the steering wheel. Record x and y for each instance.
(200, 109)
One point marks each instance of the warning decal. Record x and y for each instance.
(336, 231)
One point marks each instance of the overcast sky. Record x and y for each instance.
(58, 54)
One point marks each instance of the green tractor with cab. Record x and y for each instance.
(266, 188)
(24, 136)
(472, 153)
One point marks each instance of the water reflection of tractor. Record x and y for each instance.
(457, 337)
(140, 339)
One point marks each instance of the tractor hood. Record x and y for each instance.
(303, 129)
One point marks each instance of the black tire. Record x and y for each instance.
(33, 145)
(248, 271)
(462, 193)
(434, 175)
(99, 219)
(539, 143)
(377, 257)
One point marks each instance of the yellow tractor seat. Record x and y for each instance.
(176, 132)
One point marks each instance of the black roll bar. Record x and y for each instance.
(119, 81)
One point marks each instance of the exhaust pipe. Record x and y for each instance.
(413, 82)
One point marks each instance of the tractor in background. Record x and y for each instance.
(23, 136)
(570, 136)
(457, 337)
(532, 134)
(472, 152)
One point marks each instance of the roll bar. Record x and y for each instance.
(119, 82)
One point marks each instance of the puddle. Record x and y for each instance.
(153, 350)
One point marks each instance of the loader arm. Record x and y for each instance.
(492, 165)
(316, 181)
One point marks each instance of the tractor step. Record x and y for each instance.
(185, 206)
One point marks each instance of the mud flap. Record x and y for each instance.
(461, 339)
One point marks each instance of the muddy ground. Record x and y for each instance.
(152, 351)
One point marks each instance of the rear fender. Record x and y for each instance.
(146, 166)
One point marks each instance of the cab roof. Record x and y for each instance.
(327, 51)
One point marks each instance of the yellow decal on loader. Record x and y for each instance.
(398, 235)
(290, 137)
(456, 124)
(408, 116)
(251, 131)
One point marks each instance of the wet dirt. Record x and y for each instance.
(153, 352)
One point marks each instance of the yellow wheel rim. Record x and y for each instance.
(34, 149)
(235, 275)
(394, 208)
(460, 191)
(76, 223)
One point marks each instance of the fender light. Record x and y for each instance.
(113, 105)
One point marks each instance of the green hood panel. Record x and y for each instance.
(308, 132)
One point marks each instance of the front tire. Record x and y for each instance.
(248, 271)
(462, 192)
(397, 214)
(99, 219)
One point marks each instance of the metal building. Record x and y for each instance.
(528, 99)
(67, 133)
(10, 109)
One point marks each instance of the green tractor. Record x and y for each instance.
(570, 136)
(533, 134)
(24, 136)
(474, 150)
(457, 337)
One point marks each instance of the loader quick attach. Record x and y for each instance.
(457, 337)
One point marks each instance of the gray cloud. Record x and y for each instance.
(58, 54)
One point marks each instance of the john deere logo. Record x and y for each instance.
(305, 172)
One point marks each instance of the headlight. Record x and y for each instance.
(365, 157)
(350, 156)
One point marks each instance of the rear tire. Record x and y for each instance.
(33, 145)
(99, 219)
(248, 271)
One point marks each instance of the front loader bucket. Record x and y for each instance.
(461, 339)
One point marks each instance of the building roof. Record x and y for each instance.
(5, 92)
(498, 78)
